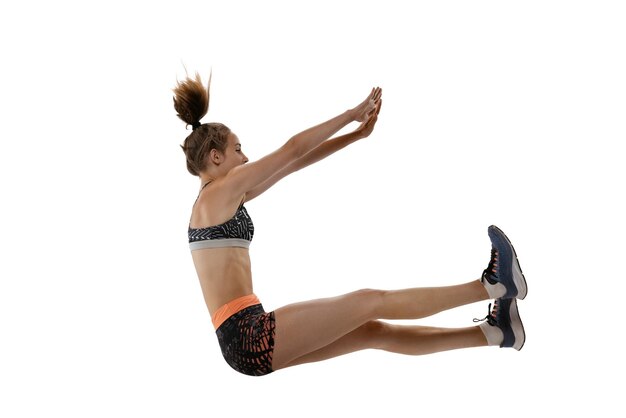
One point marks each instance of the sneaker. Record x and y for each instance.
(503, 267)
(505, 316)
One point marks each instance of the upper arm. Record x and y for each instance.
(261, 188)
(251, 176)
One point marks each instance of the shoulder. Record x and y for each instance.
(214, 206)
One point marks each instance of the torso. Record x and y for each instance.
(225, 272)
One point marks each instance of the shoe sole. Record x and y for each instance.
(518, 277)
(516, 326)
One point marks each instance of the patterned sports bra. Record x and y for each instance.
(235, 232)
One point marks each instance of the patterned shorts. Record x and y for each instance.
(247, 340)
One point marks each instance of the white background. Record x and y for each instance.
(495, 112)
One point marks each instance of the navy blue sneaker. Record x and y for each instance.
(505, 316)
(503, 267)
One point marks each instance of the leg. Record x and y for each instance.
(402, 339)
(305, 327)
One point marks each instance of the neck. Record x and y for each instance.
(205, 179)
(211, 174)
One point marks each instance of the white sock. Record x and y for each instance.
(492, 333)
(495, 291)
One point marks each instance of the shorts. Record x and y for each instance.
(246, 337)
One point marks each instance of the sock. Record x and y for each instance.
(492, 333)
(496, 290)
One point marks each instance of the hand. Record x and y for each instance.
(366, 128)
(363, 111)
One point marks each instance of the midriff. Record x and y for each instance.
(224, 273)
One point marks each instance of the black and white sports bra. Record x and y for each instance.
(235, 232)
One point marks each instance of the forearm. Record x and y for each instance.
(311, 138)
(323, 150)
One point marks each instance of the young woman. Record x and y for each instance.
(255, 342)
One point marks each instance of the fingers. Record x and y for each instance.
(376, 109)
(370, 106)
(377, 93)
(372, 117)
(373, 101)
(367, 126)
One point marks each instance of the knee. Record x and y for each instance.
(373, 299)
(376, 333)
(374, 295)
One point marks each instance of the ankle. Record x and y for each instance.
(494, 290)
(493, 334)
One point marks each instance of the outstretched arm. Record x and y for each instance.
(311, 138)
(322, 151)
(256, 177)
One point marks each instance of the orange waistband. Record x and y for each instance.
(229, 309)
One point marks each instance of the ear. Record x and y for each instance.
(215, 156)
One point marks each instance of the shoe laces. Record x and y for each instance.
(492, 268)
(492, 314)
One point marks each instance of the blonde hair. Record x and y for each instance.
(191, 102)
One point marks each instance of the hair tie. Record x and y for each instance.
(195, 125)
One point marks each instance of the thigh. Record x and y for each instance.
(367, 336)
(304, 327)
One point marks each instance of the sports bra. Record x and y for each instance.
(235, 232)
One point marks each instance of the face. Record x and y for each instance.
(233, 155)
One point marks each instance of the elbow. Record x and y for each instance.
(294, 149)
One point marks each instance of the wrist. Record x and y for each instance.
(351, 115)
(355, 135)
